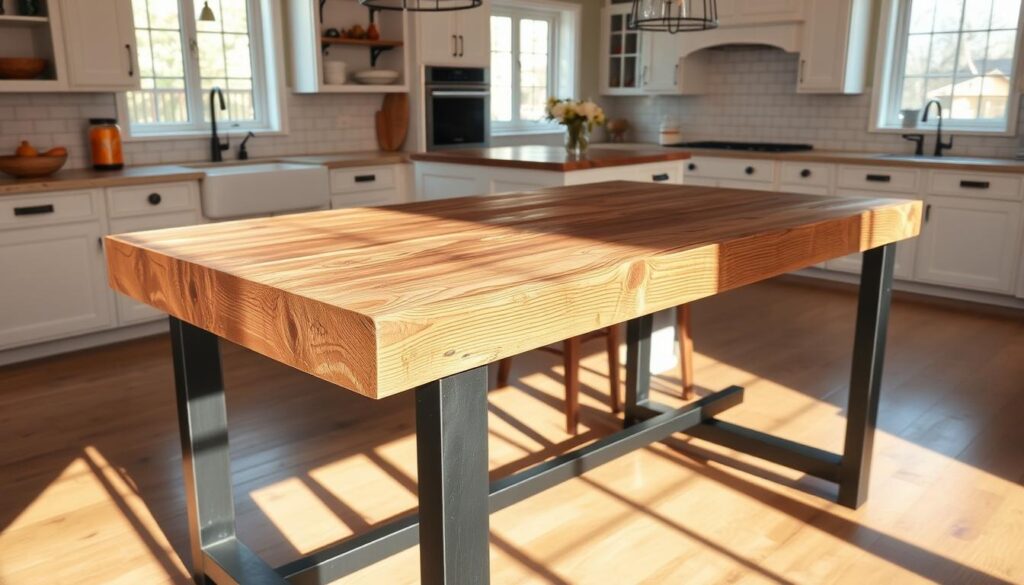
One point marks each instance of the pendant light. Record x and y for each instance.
(674, 16)
(206, 14)
(421, 5)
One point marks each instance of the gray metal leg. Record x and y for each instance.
(203, 424)
(866, 376)
(451, 444)
(638, 369)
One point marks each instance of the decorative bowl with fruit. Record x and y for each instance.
(28, 162)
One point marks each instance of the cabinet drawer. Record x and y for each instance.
(988, 186)
(48, 208)
(152, 199)
(883, 179)
(737, 169)
(362, 179)
(668, 173)
(792, 173)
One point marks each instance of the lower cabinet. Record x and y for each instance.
(970, 243)
(129, 311)
(368, 186)
(55, 283)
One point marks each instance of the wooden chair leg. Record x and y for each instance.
(612, 339)
(504, 369)
(685, 349)
(571, 362)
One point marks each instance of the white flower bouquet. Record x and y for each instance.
(579, 118)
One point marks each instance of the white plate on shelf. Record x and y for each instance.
(377, 77)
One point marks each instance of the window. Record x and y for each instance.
(181, 59)
(959, 52)
(523, 67)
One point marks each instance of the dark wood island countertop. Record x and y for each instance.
(548, 158)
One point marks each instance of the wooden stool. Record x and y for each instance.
(570, 352)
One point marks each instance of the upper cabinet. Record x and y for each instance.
(634, 62)
(99, 38)
(317, 45)
(835, 46)
(748, 12)
(456, 38)
(34, 35)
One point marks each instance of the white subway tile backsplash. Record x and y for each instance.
(752, 96)
(317, 124)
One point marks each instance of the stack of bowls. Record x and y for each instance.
(335, 72)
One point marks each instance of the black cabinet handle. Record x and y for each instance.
(878, 178)
(366, 178)
(927, 212)
(975, 184)
(34, 210)
(660, 178)
(749, 170)
(691, 167)
(131, 64)
(805, 173)
(154, 199)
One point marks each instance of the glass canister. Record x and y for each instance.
(105, 139)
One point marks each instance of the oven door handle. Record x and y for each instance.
(460, 94)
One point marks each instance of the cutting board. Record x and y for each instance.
(393, 122)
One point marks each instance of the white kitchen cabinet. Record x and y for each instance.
(369, 186)
(52, 258)
(457, 38)
(970, 243)
(835, 46)
(99, 39)
(440, 181)
(621, 66)
(750, 12)
(130, 311)
(660, 57)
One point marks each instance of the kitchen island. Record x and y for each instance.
(484, 171)
(421, 297)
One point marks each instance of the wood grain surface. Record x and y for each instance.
(91, 179)
(549, 158)
(380, 300)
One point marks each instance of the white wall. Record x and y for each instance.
(752, 96)
(317, 124)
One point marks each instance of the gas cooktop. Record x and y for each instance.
(748, 146)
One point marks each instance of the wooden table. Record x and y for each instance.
(425, 295)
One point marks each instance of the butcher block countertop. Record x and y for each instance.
(381, 300)
(549, 158)
(91, 179)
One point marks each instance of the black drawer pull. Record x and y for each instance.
(927, 212)
(975, 184)
(878, 178)
(34, 210)
(691, 167)
(749, 170)
(805, 173)
(660, 178)
(366, 178)
(154, 199)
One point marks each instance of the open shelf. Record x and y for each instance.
(379, 44)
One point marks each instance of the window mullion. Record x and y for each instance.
(193, 83)
(517, 65)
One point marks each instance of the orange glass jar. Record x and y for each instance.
(105, 139)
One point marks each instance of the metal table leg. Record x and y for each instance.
(451, 444)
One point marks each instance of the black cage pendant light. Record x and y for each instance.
(421, 5)
(674, 16)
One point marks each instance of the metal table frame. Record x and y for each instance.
(451, 434)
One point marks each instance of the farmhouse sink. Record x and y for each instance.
(261, 189)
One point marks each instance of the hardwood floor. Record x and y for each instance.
(90, 481)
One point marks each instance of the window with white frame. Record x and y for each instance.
(182, 58)
(961, 53)
(524, 67)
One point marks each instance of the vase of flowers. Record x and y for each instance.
(579, 118)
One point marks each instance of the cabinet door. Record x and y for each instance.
(620, 67)
(661, 62)
(438, 38)
(823, 57)
(474, 36)
(438, 182)
(970, 243)
(129, 311)
(55, 283)
(100, 42)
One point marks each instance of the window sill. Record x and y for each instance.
(197, 134)
(947, 129)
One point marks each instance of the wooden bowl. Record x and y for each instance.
(25, 167)
(21, 67)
